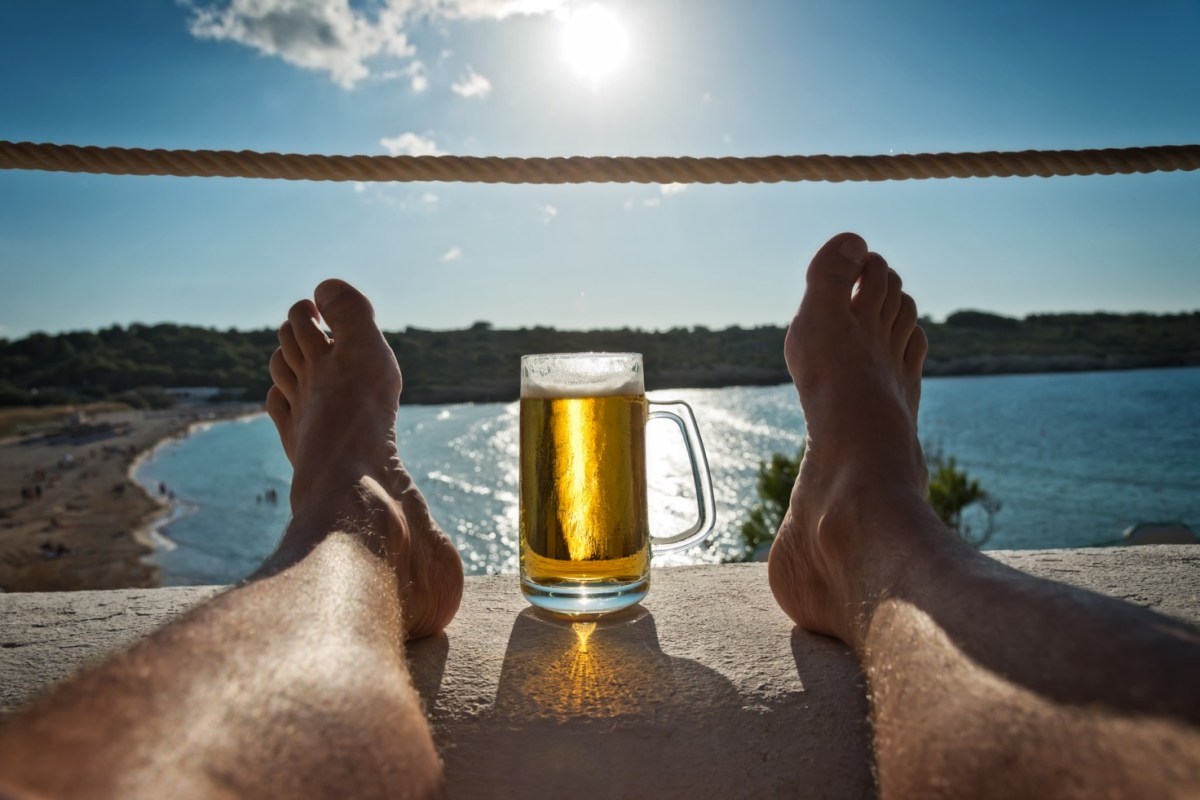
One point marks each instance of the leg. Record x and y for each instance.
(294, 684)
(984, 681)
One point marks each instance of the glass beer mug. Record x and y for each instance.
(585, 537)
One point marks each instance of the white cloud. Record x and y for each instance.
(417, 76)
(323, 35)
(453, 254)
(472, 85)
(415, 72)
(360, 187)
(654, 201)
(333, 37)
(547, 213)
(411, 144)
(429, 199)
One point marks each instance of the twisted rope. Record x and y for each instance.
(601, 169)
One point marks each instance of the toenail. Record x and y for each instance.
(854, 249)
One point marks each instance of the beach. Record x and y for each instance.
(71, 515)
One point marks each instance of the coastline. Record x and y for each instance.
(72, 515)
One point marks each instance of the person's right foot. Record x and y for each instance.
(334, 403)
(854, 351)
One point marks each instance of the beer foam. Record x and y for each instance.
(583, 375)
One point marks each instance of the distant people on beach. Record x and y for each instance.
(51, 551)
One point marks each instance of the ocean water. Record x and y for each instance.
(1074, 459)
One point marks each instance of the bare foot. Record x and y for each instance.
(854, 351)
(334, 402)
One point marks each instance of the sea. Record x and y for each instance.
(1072, 459)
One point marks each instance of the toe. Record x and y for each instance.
(280, 412)
(345, 309)
(914, 353)
(872, 286)
(290, 347)
(278, 408)
(891, 301)
(836, 266)
(906, 320)
(303, 317)
(282, 375)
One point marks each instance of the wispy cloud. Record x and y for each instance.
(665, 190)
(411, 144)
(415, 71)
(472, 84)
(333, 37)
(489, 9)
(453, 254)
(419, 80)
(429, 199)
(547, 212)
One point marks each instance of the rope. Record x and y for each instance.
(603, 169)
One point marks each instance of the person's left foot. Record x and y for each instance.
(334, 403)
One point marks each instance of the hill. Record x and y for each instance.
(134, 364)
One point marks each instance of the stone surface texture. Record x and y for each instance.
(704, 688)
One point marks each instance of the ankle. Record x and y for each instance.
(874, 545)
(911, 550)
(358, 506)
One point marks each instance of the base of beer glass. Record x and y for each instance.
(572, 597)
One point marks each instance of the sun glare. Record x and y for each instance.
(594, 41)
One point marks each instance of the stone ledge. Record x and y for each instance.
(706, 685)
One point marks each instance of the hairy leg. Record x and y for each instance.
(294, 684)
(984, 681)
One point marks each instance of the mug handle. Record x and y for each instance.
(706, 507)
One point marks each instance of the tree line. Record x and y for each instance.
(135, 363)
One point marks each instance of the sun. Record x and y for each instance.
(594, 41)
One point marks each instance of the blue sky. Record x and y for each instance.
(490, 77)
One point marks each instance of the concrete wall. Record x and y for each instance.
(704, 689)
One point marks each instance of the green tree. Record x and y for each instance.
(958, 500)
(955, 496)
(774, 488)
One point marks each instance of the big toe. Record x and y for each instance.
(346, 310)
(837, 265)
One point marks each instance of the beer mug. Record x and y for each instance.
(585, 537)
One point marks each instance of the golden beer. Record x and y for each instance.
(583, 490)
(585, 537)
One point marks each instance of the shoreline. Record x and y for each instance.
(151, 533)
(73, 516)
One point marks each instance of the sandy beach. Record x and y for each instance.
(71, 515)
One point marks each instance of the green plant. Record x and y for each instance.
(955, 496)
(952, 492)
(774, 488)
